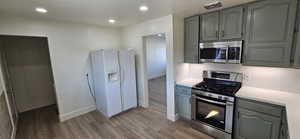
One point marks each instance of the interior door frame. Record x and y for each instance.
(170, 70)
(52, 77)
(4, 92)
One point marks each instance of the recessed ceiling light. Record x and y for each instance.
(159, 35)
(111, 21)
(41, 10)
(144, 8)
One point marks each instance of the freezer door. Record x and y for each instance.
(128, 79)
(112, 79)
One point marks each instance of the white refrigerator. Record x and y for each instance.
(114, 80)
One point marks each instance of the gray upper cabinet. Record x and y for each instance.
(254, 125)
(210, 26)
(231, 23)
(296, 57)
(269, 33)
(191, 39)
(297, 53)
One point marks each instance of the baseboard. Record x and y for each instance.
(70, 115)
(157, 76)
(172, 117)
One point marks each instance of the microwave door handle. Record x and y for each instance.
(227, 53)
(211, 101)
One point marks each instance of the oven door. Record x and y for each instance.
(209, 112)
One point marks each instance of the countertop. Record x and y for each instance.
(290, 100)
(189, 82)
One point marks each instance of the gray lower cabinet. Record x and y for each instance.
(210, 26)
(269, 32)
(254, 125)
(191, 39)
(182, 100)
(284, 131)
(231, 23)
(258, 120)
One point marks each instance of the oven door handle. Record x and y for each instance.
(207, 100)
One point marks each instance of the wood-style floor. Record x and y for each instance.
(140, 123)
(157, 90)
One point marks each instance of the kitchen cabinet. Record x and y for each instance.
(191, 39)
(222, 25)
(284, 131)
(182, 100)
(296, 57)
(231, 23)
(269, 33)
(258, 120)
(253, 125)
(297, 53)
(210, 26)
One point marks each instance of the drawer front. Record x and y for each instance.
(261, 107)
(183, 90)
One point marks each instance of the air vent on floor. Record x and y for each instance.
(213, 5)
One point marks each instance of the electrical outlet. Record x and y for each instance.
(245, 77)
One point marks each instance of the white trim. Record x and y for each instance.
(158, 76)
(13, 134)
(172, 117)
(169, 76)
(70, 115)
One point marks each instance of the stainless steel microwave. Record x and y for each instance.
(221, 52)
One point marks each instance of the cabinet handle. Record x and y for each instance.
(282, 131)
(217, 34)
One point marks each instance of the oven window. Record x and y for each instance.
(213, 53)
(211, 114)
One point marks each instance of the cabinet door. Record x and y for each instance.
(297, 41)
(210, 27)
(269, 33)
(231, 23)
(297, 52)
(183, 105)
(191, 39)
(253, 125)
(284, 132)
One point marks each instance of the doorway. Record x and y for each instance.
(27, 71)
(156, 60)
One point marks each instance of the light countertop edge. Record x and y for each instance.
(189, 82)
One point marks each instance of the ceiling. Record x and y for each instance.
(125, 12)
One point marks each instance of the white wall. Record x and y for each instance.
(133, 36)
(156, 56)
(69, 46)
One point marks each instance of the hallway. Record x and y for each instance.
(157, 90)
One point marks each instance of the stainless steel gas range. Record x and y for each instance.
(213, 103)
